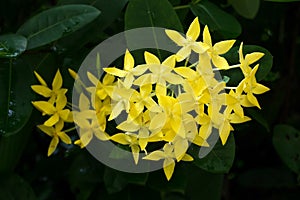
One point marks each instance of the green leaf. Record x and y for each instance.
(16, 96)
(151, 13)
(246, 8)
(259, 117)
(286, 141)
(113, 180)
(13, 187)
(12, 45)
(55, 23)
(236, 75)
(219, 159)
(216, 19)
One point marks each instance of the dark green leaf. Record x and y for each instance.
(16, 96)
(113, 180)
(12, 45)
(151, 13)
(267, 178)
(13, 187)
(177, 183)
(219, 159)
(55, 23)
(236, 75)
(216, 19)
(286, 141)
(258, 116)
(246, 8)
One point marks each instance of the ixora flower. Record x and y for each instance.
(160, 107)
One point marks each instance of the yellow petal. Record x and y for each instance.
(52, 120)
(169, 166)
(223, 46)
(45, 107)
(220, 62)
(128, 61)
(183, 53)
(46, 129)
(53, 145)
(40, 79)
(176, 37)
(135, 152)
(180, 148)
(253, 57)
(115, 71)
(187, 157)
(200, 141)
(72, 73)
(259, 89)
(158, 121)
(155, 155)
(64, 137)
(170, 61)
(57, 81)
(151, 58)
(253, 99)
(121, 138)
(206, 36)
(101, 135)
(224, 132)
(42, 90)
(186, 72)
(108, 79)
(61, 101)
(64, 114)
(194, 30)
(86, 138)
(128, 126)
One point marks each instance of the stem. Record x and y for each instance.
(70, 129)
(70, 105)
(230, 67)
(43, 59)
(181, 7)
(230, 88)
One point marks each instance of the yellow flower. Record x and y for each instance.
(128, 139)
(251, 87)
(248, 60)
(160, 73)
(45, 91)
(128, 72)
(56, 112)
(169, 157)
(189, 43)
(56, 133)
(101, 89)
(217, 49)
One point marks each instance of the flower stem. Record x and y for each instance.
(230, 88)
(70, 129)
(181, 7)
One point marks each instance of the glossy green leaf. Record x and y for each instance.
(151, 13)
(236, 75)
(258, 116)
(12, 45)
(13, 187)
(246, 8)
(55, 23)
(16, 96)
(219, 159)
(217, 20)
(286, 140)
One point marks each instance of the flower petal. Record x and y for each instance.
(151, 58)
(176, 37)
(53, 145)
(128, 61)
(57, 81)
(64, 137)
(41, 90)
(223, 46)
(169, 166)
(194, 30)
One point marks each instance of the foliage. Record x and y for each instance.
(51, 37)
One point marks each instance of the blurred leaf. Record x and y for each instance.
(113, 180)
(16, 95)
(267, 178)
(177, 183)
(219, 159)
(286, 141)
(258, 116)
(12, 45)
(203, 184)
(216, 19)
(84, 174)
(13, 187)
(55, 23)
(246, 8)
(151, 13)
(236, 75)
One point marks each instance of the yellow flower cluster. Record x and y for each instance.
(54, 107)
(165, 102)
